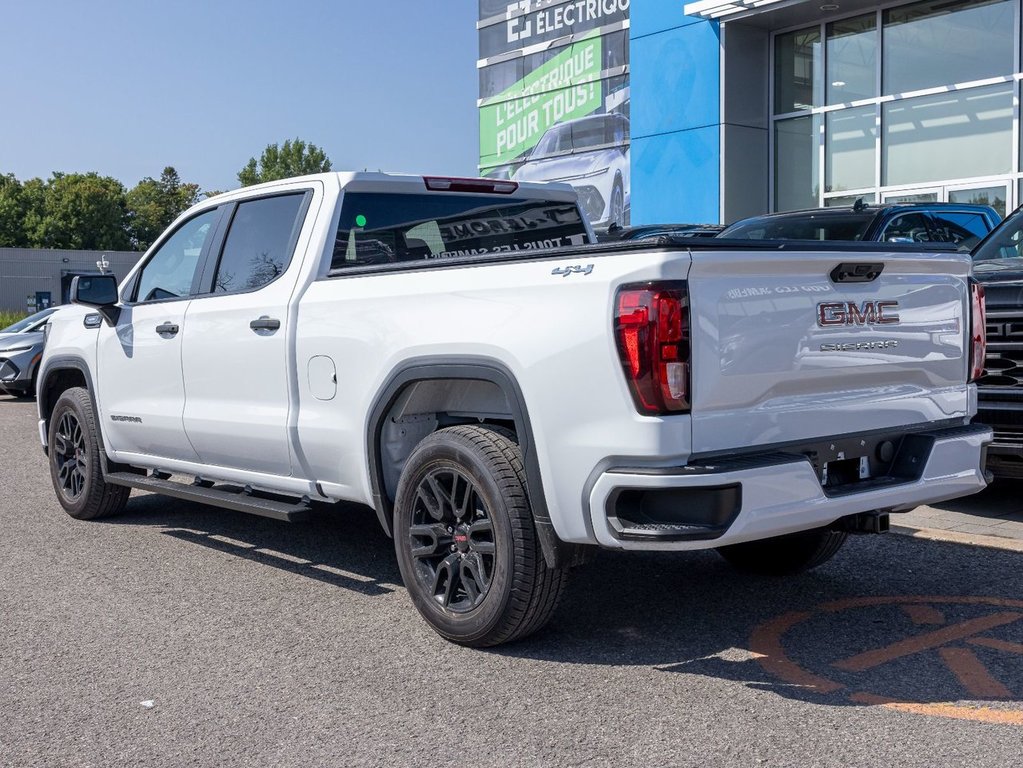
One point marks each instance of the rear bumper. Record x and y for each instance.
(761, 496)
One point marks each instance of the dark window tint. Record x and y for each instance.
(961, 228)
(843, 227)
(907, 228)
(378, 228)
(170, 272)
(259, 244)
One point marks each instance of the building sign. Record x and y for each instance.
(528, 22)
(554, 97)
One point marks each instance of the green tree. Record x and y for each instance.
(84, 211)
(33, 197)
(154, 203)
(12, 213)
(295, 158)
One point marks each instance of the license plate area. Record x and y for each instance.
(845, 463)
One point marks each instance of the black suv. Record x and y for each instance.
(962, 225)
(998, 266)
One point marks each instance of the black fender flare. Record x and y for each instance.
(556, 552)
(50, 366)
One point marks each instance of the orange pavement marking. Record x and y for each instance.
(766, 640)
(927, 641)
(999, 645)
(955, 711)
(924, 614)
(973, 675)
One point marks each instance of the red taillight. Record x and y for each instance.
(652, 331)
(486, 186)
(978, 331)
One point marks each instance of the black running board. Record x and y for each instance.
(229, 497)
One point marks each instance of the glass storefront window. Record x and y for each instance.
(796, 170)
(844, 201)
(937, 42)
(913, 197)
(797, 69)
(852, 59)
(849, 147)
(952, 135)
(993, 196)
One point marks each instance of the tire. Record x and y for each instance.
(616, 211)
(75, 460)
(785, 555)
(466, 542)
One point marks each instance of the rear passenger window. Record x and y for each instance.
(259, 244)
(961, 228)
(382, 228)
(907, 228)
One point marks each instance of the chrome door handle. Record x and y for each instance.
(265, 323)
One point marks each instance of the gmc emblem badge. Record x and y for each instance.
(850, 313)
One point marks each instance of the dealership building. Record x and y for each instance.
(733, 108)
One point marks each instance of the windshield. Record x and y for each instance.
(22, 325)
(1005, 242)
(849, 226)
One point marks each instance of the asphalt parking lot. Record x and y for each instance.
(182, 635)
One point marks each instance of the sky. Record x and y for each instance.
(125, 88)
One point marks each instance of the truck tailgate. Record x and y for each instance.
(783, 352)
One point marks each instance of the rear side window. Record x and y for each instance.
(382, 228)
(961, 228)
(259, 243)
(907, 228)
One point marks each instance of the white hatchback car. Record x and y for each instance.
(592, 154)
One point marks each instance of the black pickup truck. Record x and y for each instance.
(998, 266)
(963, 225)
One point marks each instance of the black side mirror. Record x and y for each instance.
(98, 291)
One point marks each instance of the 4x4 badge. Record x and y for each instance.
(575, 269)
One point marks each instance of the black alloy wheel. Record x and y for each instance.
(466, 540)
(71, 456)
(452, 540)
(74, 453)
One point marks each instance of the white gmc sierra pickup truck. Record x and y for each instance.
(507, 396)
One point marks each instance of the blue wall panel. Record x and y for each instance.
(676, 177)
(676, 80)
(649, 16)
(675, 113)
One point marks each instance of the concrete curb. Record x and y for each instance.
(957, 537)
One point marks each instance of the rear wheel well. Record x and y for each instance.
(431, 393)
(422, 407)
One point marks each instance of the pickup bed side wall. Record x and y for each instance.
(549, 334)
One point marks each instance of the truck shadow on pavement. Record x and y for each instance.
(890, 620)
(342, 546)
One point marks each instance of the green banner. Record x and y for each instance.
(562, 89)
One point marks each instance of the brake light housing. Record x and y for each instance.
(978, 330)
(484, 186)
(652, 334)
